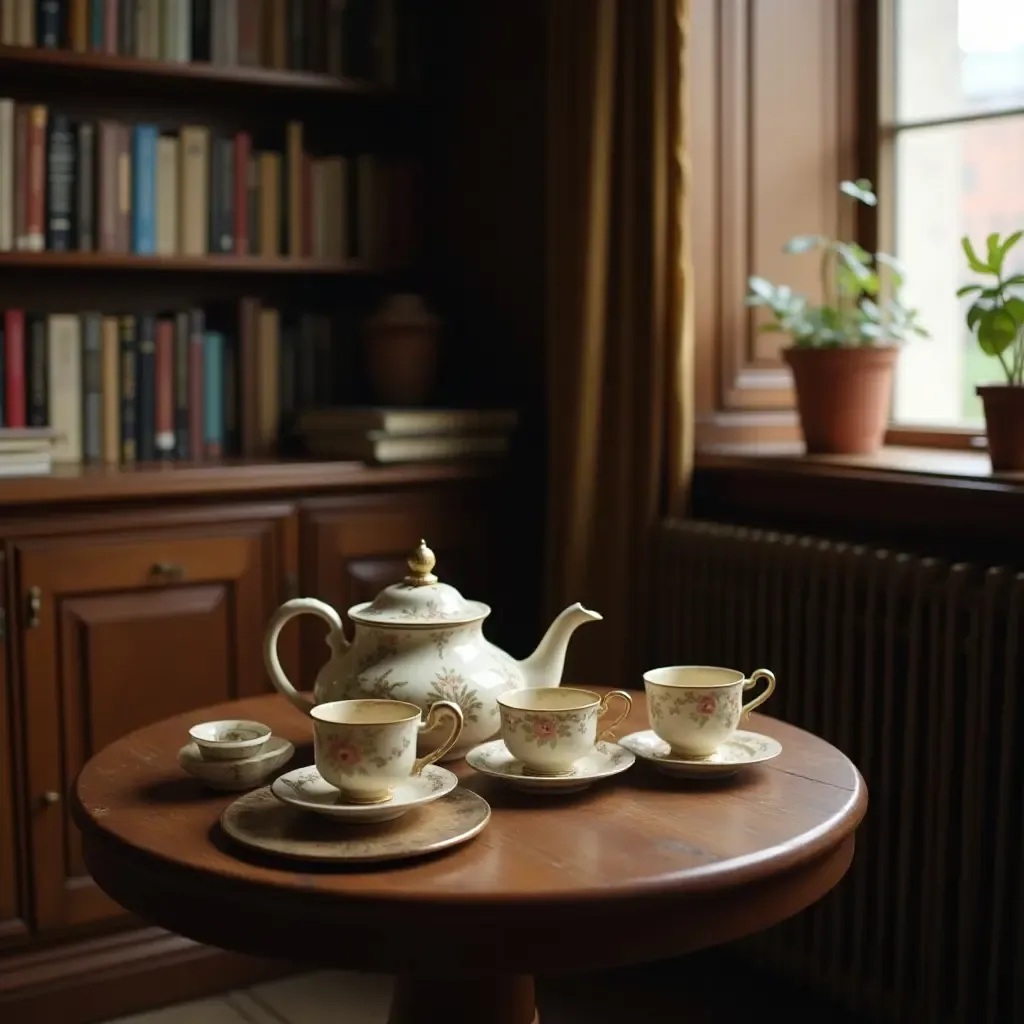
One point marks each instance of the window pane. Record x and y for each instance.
(958, 57)
(951, 181)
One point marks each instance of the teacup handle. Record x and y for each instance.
(437, 713)
(602, 710)
(755, 677)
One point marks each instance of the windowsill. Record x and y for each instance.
(914, 465)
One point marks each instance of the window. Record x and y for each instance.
(952, 164)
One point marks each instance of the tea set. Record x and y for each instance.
(418, 685)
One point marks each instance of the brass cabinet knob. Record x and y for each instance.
(51, 797)
(168, 571)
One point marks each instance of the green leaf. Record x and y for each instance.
(1015, 307)
(860, 190)
(1009, 242)
(972, 258)
(761, 287)
(802, 243)
(975, 313)
(770, 326)
(968, 289)
(995, 256)
(1016, 279)
(996, 331)
(870, 309)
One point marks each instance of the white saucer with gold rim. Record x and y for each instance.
(307, 790)
(606, 759)
(739, 751)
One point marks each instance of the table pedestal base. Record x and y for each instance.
(463, 999)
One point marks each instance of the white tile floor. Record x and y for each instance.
(323, 997)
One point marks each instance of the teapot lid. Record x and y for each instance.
(419, 600)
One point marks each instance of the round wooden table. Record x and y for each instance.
(637, 868)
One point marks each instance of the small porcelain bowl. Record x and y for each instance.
(230, 739)
(244, 773)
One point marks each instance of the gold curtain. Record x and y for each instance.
(620, 415)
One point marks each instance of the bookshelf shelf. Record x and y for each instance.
(68, 65)
(211, 480)
(181, 264)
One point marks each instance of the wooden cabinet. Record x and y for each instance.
(12, 922)
(354, 546)
(119, 631)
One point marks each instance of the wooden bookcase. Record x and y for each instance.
(92, 624)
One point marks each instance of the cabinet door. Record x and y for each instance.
(353, 547)
(118, 632)
(12, 923)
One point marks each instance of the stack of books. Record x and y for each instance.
(26, 451)
(377, 435)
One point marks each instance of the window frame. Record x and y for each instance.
(876, 226)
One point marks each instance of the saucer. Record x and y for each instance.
(260, 821)
(242, 773)
(605, 760)
(742, 749)
(306, 789)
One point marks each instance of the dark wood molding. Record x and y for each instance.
(111, 975)
(209, 481)
(950, 506)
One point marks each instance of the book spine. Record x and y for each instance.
(145, 388)
(249, 376)
(6, 177)
(126, 25)
(97, 25)
(201, 30)
(182, 32)
(240, 201)
(144, 189)
(19, 176)
(213, 188)
(110, 32)
(8, 27)
(226, 196)
(213, 395)
(164, 415)
(167, 195)
(252, 184)
(85, 205)
(292, 222)
(60, 184)
(92, 387)
(231, 395)
(35, 215)
(25, 17)
(78, 25)
(49, 31)
(128, 390)
(193, 186)
(37, 384)
(182, 444)
(111, 391)
(65, 371)
(297, 36)
(309, 212)
(197, 329)
(250, 24)
(14, 365)
(123, 216)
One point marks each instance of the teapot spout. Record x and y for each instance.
(544, 666)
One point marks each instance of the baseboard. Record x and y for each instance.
(95, 979)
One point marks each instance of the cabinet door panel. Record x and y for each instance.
(353, 547)
(12, 924)
(128, 631)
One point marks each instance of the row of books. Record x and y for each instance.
(189, 385)
(111, 187)
(26, 451)
(373, 40)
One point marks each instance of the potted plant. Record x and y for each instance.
(996, 319)
(844, 348)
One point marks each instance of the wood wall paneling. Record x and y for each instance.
(772, 134)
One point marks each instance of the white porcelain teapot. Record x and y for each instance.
(421, 641)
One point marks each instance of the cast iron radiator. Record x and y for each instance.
(913, 667)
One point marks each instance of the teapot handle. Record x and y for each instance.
(289, 610)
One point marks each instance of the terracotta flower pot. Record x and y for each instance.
(844, 396)
(400, 351)
(1004, 424)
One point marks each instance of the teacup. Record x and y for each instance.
(696, 708)
(366, 747)
(550, 728)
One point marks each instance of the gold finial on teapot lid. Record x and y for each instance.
(421, 562)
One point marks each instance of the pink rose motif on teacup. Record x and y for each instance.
(343, 752)
(544, 729)
(707, 706)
